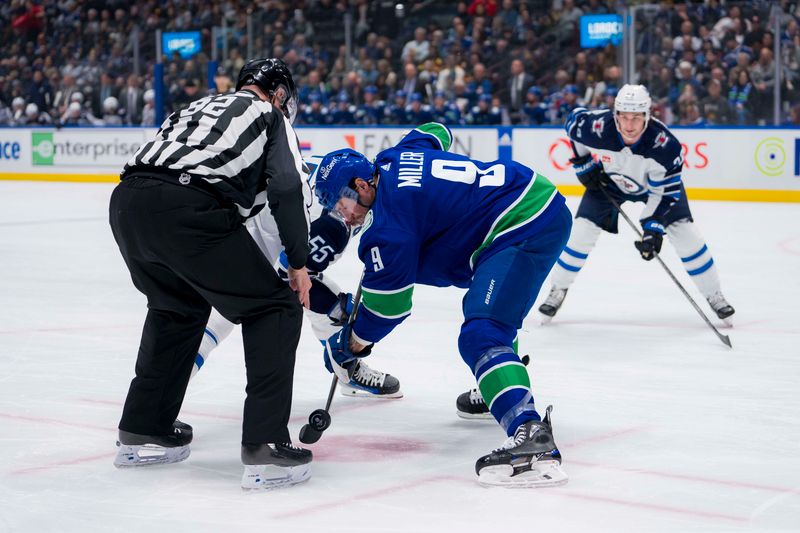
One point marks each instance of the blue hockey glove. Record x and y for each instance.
(652, 237)
(342, 309)
(337, 355)
(590, 173)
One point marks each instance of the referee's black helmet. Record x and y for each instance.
(270, 75)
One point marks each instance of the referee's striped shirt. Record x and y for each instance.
(243, 150)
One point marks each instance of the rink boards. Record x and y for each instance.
(741, 164)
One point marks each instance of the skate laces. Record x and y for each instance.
(556, 296)
(517, 439)
(475, 397)
(366, 376)
(291, 446)
(717, 300)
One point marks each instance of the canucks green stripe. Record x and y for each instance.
(438, 131)
(526, 209)
(515, 345)
(388, 305)
(502, 377)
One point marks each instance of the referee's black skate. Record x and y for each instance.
(272, 466)
(552, 304)
(470, 405)
(183, 427)
(145, 450)
(529, 458)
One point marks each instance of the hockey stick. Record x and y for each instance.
(320, 419)
(724, 338)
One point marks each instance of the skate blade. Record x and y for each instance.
(728, 322)
(149, 454)
(271, 477)
(475, 416)
(542, 474)
(546, 319)
(349, 390)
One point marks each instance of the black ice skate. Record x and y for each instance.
(721, 307)
(183, 427)
(552, 304)
(272, 466)
(528, 459)
(364, 381)
(144, 450)
(470, 405)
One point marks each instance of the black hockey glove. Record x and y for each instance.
(590, 173)
(652, 237)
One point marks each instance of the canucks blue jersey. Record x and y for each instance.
(435, 217)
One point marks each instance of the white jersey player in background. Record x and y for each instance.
(632, 157)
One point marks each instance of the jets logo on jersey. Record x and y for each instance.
(661, 140)
(597, 127)
(626, 184)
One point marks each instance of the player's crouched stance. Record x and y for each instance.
(442, 219)
(626, 155)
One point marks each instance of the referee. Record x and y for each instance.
(177, 216)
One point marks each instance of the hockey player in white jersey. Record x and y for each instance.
(634, 158)
(329, 306)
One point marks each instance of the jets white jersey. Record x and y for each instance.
(648, 170)
(263, 228)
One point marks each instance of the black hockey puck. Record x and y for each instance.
(319, 420)
(309, 435)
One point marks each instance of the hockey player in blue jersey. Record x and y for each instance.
(634, 158)
(436, 218)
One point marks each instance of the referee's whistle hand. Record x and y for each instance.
(301, 284)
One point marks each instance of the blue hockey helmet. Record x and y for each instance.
(336, 173)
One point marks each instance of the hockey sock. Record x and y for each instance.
(506, 388)
(217, 330)
(503, 380)
(581, 242)
(695, 256)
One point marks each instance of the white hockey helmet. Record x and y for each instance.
(31, 110)
(149, 95)
(633, 99)
(77, 96)
(18, 102)
(110, 104)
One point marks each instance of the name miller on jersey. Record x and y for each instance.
(409, 173)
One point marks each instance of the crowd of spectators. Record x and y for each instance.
(482, 62)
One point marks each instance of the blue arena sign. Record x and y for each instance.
(187, 43)
(599, 30)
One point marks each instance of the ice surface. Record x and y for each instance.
(662, 427)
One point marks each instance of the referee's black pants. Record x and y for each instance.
(186, 253)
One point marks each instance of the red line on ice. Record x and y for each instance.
(68, 462)
(371, 495)
(655, 507)
(670, 475)
(42, 420)
(687, 477)
(359, 404)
